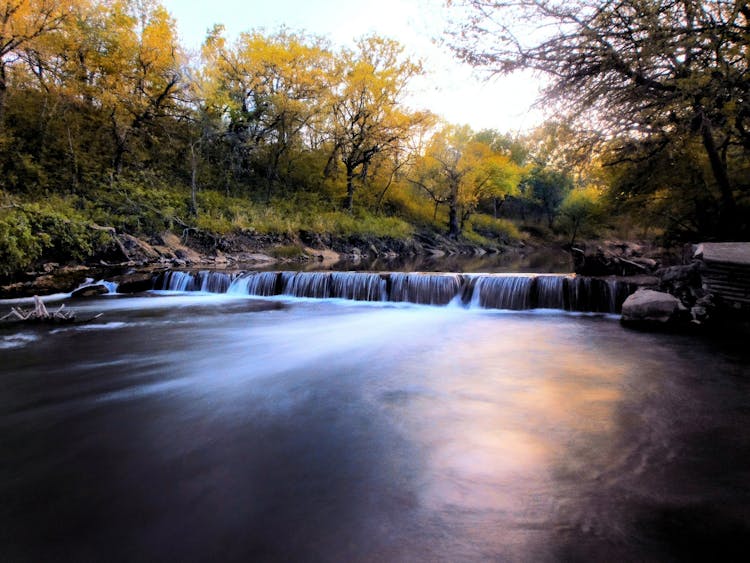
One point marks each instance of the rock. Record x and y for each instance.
(680, 274)
(90, 291)
(648, 263)
(135, 283)
(134, 249)
(699, 313)
(612, 258)
(647, 306)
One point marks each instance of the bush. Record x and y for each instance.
(490, 227)
(19, 245)
(53, 229)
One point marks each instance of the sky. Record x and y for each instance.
(450, 88)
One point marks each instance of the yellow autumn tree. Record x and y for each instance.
(270, 91)
(23, 25)
(458, 170)
(126, 60)
(366, 112)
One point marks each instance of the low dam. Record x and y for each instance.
(491, 291)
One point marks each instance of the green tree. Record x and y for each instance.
(546, 188)
(580, 211)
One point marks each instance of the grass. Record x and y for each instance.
(488, 226)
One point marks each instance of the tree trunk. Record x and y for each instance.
(3, 96)
(575, 232)
(719, 169)
(349, 201)
(73, 159)
(119, 147)
(193, 181)
(117, 160)
(453, 227)
(271, 174)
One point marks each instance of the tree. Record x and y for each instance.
(656, 71)
(22, 24)
(458, 170)
(270, 89)
(547, 187)
(580, 210)
(125, 59)
(366, 117)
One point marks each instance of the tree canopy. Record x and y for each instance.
(648, 74)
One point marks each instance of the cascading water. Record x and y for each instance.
(358, 286)
(263, 284)
(503, 292)
(178, 281)
(489, 291)
(307, 284)
(425, 289)
(214, 282)
(550, 292)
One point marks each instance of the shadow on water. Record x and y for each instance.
(200, 428)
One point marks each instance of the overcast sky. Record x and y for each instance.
(450, 89)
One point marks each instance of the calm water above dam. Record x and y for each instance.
(226, 428)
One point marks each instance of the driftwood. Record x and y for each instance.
(41, 314)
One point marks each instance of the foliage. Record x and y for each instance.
(459, 170)
(106, 123)
(52, 227)
(546, 188)
(650, 75)
(366, 115)
(490, 227)
(580, 211)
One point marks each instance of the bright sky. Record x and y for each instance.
(450, 89)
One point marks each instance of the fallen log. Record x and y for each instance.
(40, 314)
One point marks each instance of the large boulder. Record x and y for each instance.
(135, 282)
(647, 306)
(90, 291)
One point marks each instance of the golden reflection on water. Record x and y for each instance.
(504, 418)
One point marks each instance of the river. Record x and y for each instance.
(195, 427)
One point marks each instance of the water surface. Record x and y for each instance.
(217, 428)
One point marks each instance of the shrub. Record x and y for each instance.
(502, 229)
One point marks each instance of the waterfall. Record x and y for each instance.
(503, 292)
(255, 283)
(214, 282)
(425, 289)
(307, 284)
(488, 291)
(551, 292)
(358, 286)
(178, 281)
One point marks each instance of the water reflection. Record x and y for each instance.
(205, 428)
(539, 261)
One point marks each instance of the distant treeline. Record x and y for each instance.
(106, 122)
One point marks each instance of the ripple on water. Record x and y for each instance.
(17, 340)
(87, 327)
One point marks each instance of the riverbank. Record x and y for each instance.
(668, 285)
(126, 254)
